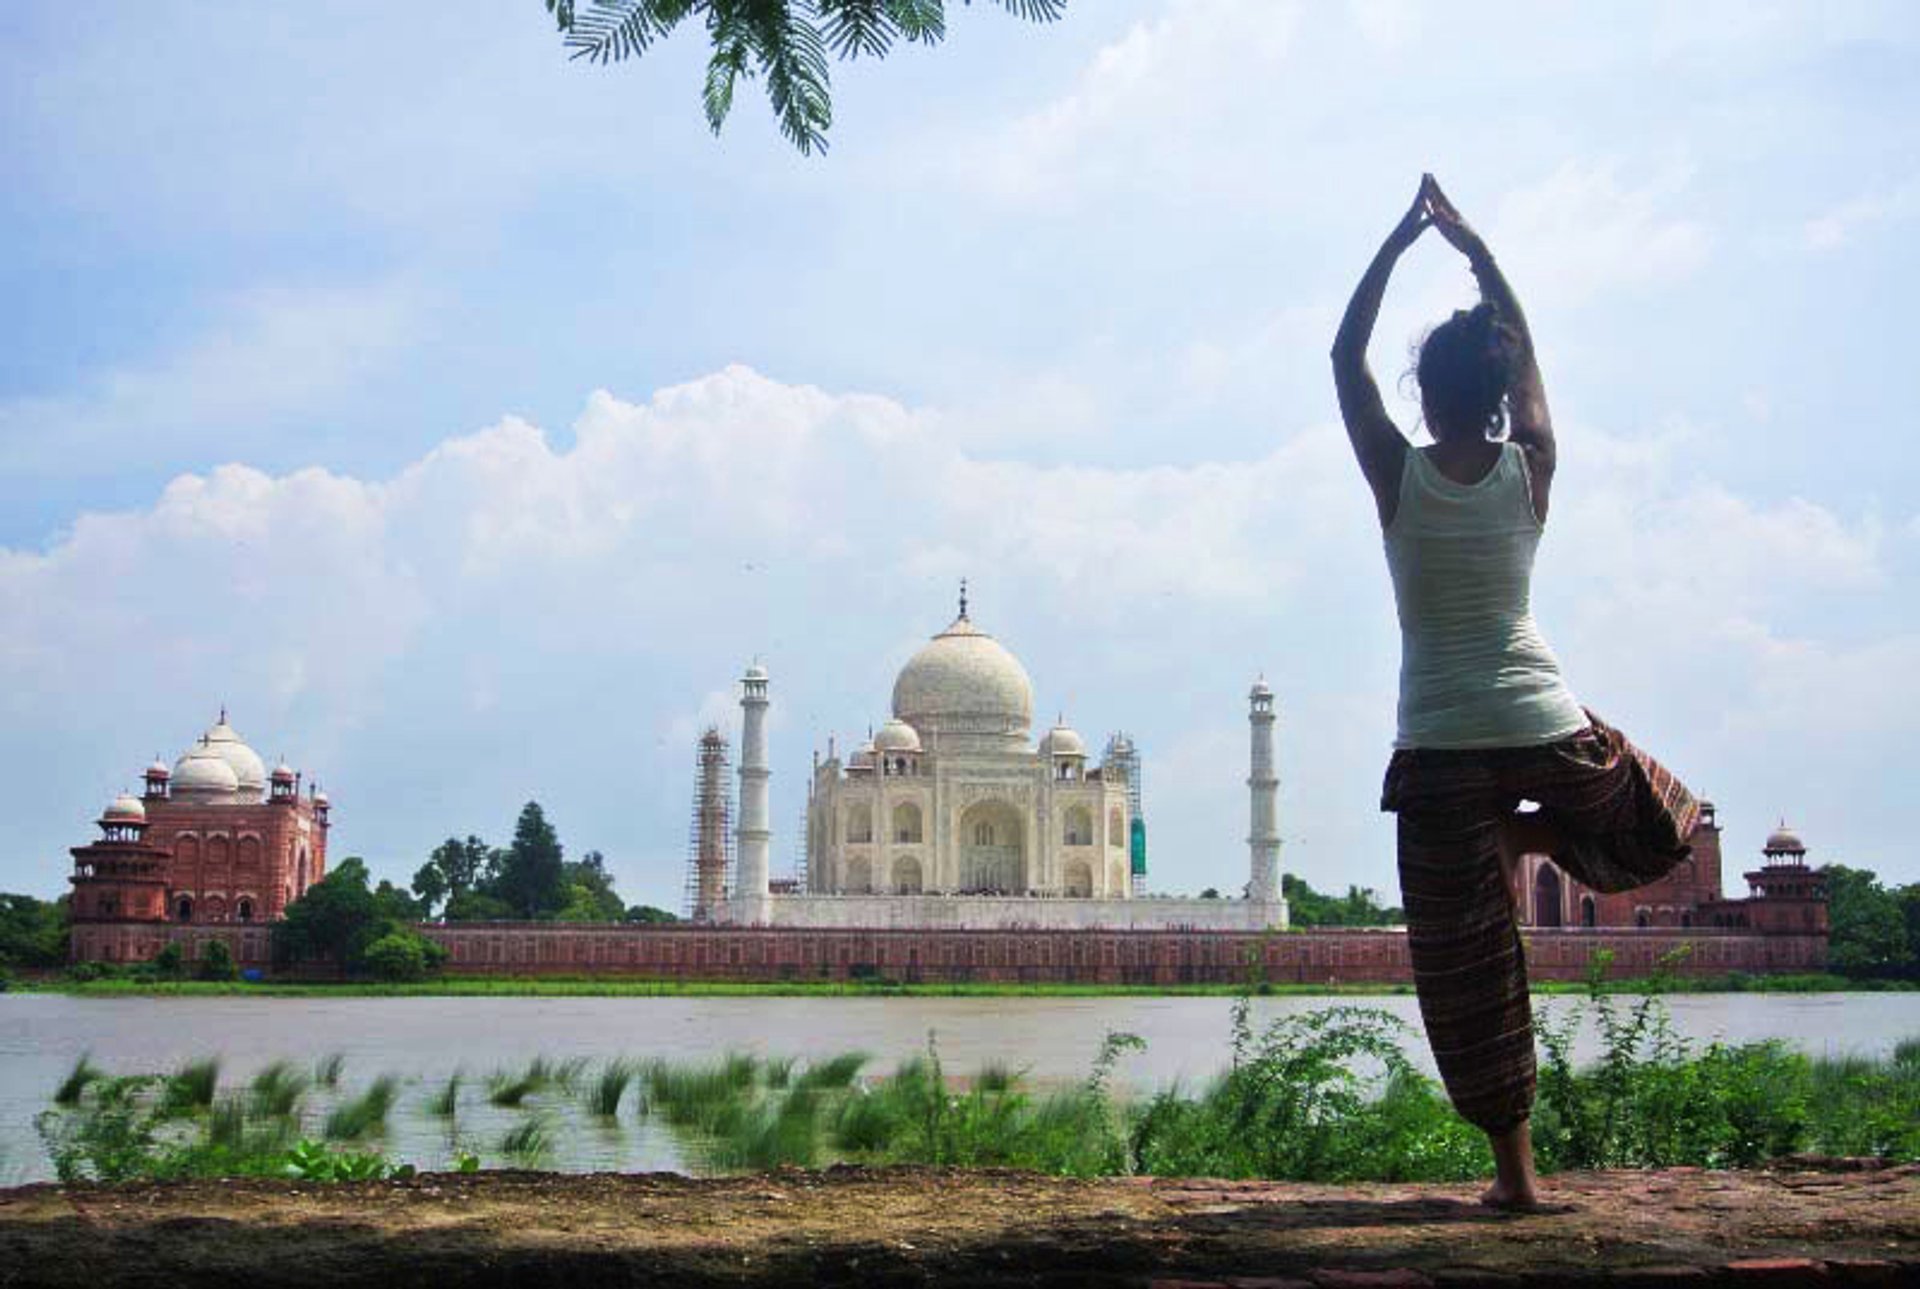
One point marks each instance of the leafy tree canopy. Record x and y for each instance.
(1870, 934)
(647, 914)
(786, 42)
(1360, 906)
(33, 933)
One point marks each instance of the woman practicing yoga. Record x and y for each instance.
(1486, 722)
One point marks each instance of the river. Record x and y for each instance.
(425, 1039)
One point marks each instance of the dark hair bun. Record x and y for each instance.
(1465, 368)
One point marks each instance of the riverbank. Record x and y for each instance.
(620, 987)
(1810, 1222)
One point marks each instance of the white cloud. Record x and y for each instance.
(1584, 231)
(1839, 225)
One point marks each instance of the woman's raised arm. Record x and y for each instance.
(1377, 442)
(1529, 423)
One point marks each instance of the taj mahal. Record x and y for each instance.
(951, 815)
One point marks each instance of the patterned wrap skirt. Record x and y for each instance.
(1626, 821)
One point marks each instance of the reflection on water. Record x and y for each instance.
(424, 1040)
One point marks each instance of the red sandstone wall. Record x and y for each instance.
(1105, 957)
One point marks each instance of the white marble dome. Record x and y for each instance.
(964, 682)
(896, 736)
(203, 772)
(248, 769)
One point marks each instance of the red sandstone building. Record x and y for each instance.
(216, 841)
(1785, 896)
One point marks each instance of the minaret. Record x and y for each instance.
(1263, 836)
(752, 905)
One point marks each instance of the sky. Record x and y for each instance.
(466, 420)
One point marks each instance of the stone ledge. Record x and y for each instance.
(858, 1226)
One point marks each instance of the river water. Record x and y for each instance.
(424, 1040)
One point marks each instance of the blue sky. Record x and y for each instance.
(466, 419)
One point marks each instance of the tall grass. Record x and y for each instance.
(192, 1086)
(364, 1115)
(326, 1071)
(1328, 1096)
(278, 1088)
(605, 1093)
(84, 1072)
(445, 1100)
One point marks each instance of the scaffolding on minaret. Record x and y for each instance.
(710, 851)
(1123, 754)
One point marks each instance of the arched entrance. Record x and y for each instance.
(1546, 896)
(1079, 879)
(992, 849)
(906, 876)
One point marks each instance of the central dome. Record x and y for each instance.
(963, 682)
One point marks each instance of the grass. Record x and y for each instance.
(364, 1115)
(278, 1088)
(1328, 1095)
(445, 1100)
(83, 1073)
(192, 1086)
(605, 1093)
(326, 1070)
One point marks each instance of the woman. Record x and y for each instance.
(1485, 719)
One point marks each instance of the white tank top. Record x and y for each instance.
(1474, 668)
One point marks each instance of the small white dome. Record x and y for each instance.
(320, 797)
(283, 773)
(158, 770)
(203, 772)
(1260, 690)
(756, 672)
(863, 759)
(125, 809)
(1062, 741)
(897, 736)
(1784, 841)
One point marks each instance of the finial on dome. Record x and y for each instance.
(223, 713)
(963, 599)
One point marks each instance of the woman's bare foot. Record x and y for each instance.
(1501, 1195)
(1513, 1183)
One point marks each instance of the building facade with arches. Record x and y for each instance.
(951, 814)
(216, 839)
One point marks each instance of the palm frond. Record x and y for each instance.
(608, 31)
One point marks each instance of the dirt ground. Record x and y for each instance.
(915, 1226)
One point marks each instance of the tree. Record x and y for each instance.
(1358, 907)
(169, 963)
(1869, 935)
(33, 933)
(648, 915)
(785, 41)
(532, 878)
(590, 893)
(453, 870)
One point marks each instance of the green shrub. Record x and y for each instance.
(397, 956)
(170, 963)
(216, 962)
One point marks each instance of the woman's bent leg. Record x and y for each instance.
(1471, 975)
